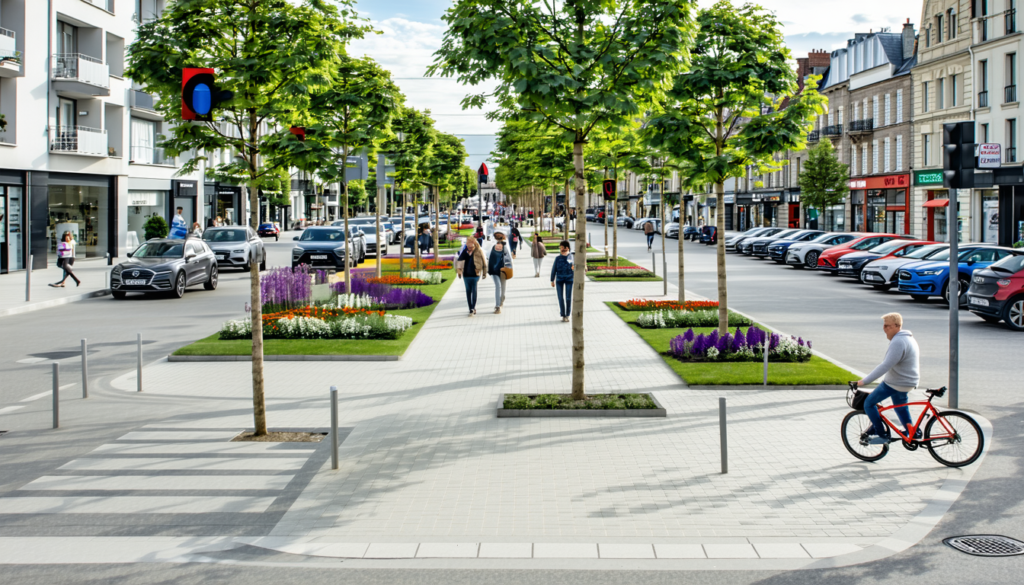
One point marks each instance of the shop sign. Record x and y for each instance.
(989, 156)
(922, 178)
(141, 199)
(886, 182)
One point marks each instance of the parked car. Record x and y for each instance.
(776, 248)
(324, 247)
(374, 241)
(805, 255)
(236, 246)
(931, 277)
(829, 259)
(165, 265)
(267, 230)
(883, 273)
(709, 235)
(758, 245)
(732, 241)
(852, 264)
(672, 230)
(691, 233)
(997, 292)
(625, 221)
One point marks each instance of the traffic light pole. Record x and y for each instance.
(954, 300)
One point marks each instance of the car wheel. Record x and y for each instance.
(263, 262)
(989, 318)
(211, 283)
(179, 286)
(963, 284)
(811, 259)
(118, 294)
(919, 298)
(1013, 313)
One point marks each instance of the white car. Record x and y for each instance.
(639, 224)
(805, 254)
(883, 274)
(732, 241)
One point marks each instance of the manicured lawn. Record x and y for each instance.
(212, 345)
(607, 275)
(816, 372)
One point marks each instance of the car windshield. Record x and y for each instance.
(944, 255)
(783, 234)
(266, 226)
(224, 235)
(1010, 265)
(927, 251)
(368, 229)
(322, 236)
(160, 250)
(823, 237)
(888, 247)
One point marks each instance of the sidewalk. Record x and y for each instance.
(428, 471)
(93, 273)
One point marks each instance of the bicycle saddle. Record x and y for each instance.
(936, 391)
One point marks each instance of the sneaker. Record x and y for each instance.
(472, 313)
(497, 310)
(876, 440)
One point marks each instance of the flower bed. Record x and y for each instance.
(426, 277)
(627, 272)
(565, 402)
(358, 325)
(647, 305)
(609, 267)
(672, 318)
(438, 266)
(391, 298)
(394, 280)
(357, 301)
(739, 347)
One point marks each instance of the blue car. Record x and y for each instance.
(931, 277)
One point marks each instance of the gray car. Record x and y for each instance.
(165, 265)
(236, 246)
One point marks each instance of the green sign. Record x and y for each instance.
(928, 177)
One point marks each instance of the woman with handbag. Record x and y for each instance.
(65, 259)
(470, 266)
(538, 252)
(500, 268)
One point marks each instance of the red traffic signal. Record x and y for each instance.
(482, 171)
(609, 187)
(299, 132)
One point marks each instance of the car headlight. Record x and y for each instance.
(297, 251)
(340, 250)
(237, 251)
(881, 267)
(929, 272)
(1004, 282)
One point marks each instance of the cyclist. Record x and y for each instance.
(902, 374)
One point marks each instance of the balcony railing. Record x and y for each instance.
(983, 99)
(148, 155)
(1011, 21)
(79, 67)
(78, 140)
(142, 100)
(834, 130)
(8, 42)
(1011, 154)
(814, 136)
(859, 126)
(107, 5)
(1010, 94)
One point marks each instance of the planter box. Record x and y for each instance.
(624, 413)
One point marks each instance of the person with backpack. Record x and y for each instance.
(65, 259)
(470, 266)
(561, 279)
(498, 264)
(649, 232)
(515, 238)
(538, 252)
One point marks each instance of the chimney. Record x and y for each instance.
(908, 40)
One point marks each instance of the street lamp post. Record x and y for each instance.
(401, 240)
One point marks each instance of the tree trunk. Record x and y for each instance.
(723, 293)
(401, 250)
(348, 236)
(577, 200)
(259, 404)
(380, 251)
(437, 226)
(579, 276)
(682, 215)
(615, 225)
(416, 231)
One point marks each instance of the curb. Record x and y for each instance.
(54, 302)
(284, 358)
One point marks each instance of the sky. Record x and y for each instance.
(411, 31)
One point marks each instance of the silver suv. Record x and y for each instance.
(236, 246)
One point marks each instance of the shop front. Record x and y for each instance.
(224, 204)
(1011, 215)
(744, 204)
(935, 202)
(185, 196)
(881, 204)
(83, 205)
(765, 211)
(12, 221)
(146, 198)
(793, 205)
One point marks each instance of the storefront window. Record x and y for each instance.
(85, 212)
(11, 235)
(835, 218)
(876, 211)
(143, 205)
(990, 217)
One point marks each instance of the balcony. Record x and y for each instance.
(78, 140)
(107, 5)
(10, 58)
(814, 137)
(78, 75)
(143, 105)
(148, 155)
(1010, 94)
(1010, 21)
(1011, 154)
(834, 130)
(862, 126)
(983, 99)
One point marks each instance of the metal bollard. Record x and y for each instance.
(85, 368)
(56, 395)
(110, 261)
(723, 436)
(664, 273)
(334, 427)
(28, 279)
(139, 364)
(766, 344)
(654, 263)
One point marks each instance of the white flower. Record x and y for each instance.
(712, 353)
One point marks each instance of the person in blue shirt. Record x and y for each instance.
(179, 228)
(561, 279)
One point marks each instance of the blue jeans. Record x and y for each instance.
(650, 240)
(564, 289)
(471, 282)
(499, 289)
(879, 394)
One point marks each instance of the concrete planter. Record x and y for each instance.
(658, 412)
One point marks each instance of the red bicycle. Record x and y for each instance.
(953, 438)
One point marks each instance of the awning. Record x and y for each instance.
(937, 203)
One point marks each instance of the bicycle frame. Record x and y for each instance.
(928, 410)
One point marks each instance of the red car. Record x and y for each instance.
(997, 292)
(829, 259)
(853, 264)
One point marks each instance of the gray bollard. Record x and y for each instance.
(139, 364)
(767, 341)
(654, 263)
(664, 273)
(85, 368)
(28, 279)
(723, 436)
(334, 427)
(110, 261)
(56, 395)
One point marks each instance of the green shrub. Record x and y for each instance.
(1019, 244)
(156, 227)
(593, 402)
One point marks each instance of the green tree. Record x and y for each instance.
(725, 112)
(410, 149)
(269, 54)
(823, 179)
(444, 172)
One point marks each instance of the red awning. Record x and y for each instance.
(937, 203)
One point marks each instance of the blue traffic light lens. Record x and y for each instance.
(202, 99)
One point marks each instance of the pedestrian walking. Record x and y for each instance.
(197, 230)
(537, 252)
(490, 229)
(179, 228)
(65, 259)
(479, 235)
(515, 238)
(649, 232)
(470, 266)
(561, 279)
(498, 266)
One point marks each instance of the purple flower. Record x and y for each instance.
(740, 341)
(808, 344)
(688, 336)
(700, 345)
(677, 346)
(800, 341)
(774, 341)
(724, 343)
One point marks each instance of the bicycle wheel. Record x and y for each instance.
(855, 425)
(966, 445)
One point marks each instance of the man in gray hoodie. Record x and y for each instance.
(902, 374)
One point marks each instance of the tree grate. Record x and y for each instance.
(986, 545)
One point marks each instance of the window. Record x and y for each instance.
(840, 121)
(887, 153)
(143, 141)
(888, 109)
(953, 93)
(938, 28)
(856, 111)
(1011, 140)
(899, 152)
(951, 19)
(874, 110)
(924, 96)
(1011, 78)
(926, 149)
(928, 37)
(899, 106)
(864, 160)
(874, 156)
(983, 83)
(1010, 20)
(853, 161)
(940, 94)
(984, 133)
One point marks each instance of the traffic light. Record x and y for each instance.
(199, 94)
(301, 132)
(609, 188)
(958, 162)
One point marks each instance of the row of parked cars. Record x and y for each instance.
(990, 278)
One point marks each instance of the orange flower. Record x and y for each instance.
(648, 305)
(394, 280)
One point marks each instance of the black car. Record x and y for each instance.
(691, 233)
(709, 235)
(165, 265)
(324, 247)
